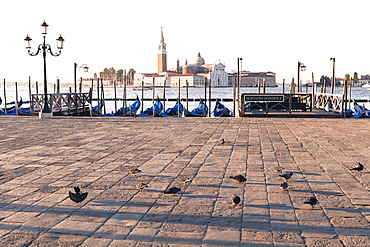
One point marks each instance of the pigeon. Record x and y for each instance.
(222, 141)
(239, 178)
(133, 171)
(279, 169)
(286, 176)
(358, 168)
(141, 186)
(312, 201)
(172, 190)
(284, 186)
(185, 180)
(78, 196)
(236, 200)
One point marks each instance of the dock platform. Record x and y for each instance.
(42, 159)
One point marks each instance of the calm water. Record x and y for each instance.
(194, 93)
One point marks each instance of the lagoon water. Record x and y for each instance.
(194, 93)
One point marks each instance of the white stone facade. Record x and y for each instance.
(193, 80)
(218, 76)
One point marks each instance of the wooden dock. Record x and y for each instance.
(63, 104)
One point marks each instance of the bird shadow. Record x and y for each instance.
(328, 193)
(157, 176)
(280, 206)
(320, 182)
(200, 196)
(132, 204)
(217, 186)
(309, 173)
(152, 190)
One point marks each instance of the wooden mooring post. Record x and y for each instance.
(5, 96)
(164, 93)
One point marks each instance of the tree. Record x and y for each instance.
(355, 78)
(325, 80)
(130, 76)
(112, 74)
(120, 74)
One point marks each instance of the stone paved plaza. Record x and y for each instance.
(42, 159)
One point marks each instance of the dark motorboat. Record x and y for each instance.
(200, 111)
(129, 111)
(221, 110)
(175, 111)
(139, 88)
(158, 108)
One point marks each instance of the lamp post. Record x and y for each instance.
(301, 67)
(46, 111)
(85, 68)
(333, 80)
(238, 84)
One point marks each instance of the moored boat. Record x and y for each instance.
(221, 110)
(175, 111)
(141, 88)
(360, 111)
(200, 111)
(129, 111)
(158, 108)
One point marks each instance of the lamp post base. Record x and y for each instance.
(44, 115)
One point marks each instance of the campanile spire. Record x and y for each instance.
(162, 54)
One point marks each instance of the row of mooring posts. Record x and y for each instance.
(206, 84)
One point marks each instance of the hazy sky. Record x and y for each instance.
(269, 35)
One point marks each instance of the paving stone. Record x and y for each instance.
(143, 234)
(222, 237)
(56, 239)
(256, 236)
(75, 227)
(96, 242)
(318, 242)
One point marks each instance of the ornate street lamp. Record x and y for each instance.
(301, 67)
(76, 67)
(46, 111)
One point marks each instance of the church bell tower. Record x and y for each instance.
(162, 55)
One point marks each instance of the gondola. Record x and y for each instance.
(129, 111)
(221, 110)
(360, 111)
(158, 108)
(200, 111)
(12, 110)
(95, 110)
(175, 111)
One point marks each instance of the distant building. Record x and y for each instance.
(191, 79)
(364, 79)
(251, 79)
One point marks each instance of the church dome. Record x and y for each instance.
(199, 60)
